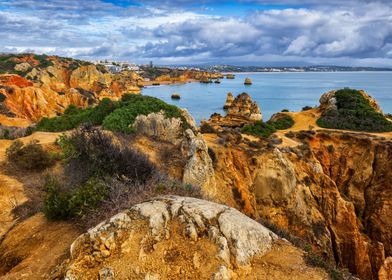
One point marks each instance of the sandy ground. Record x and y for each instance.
(306, 120)
(30, 248)
(14, 121)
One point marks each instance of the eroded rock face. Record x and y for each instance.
(217, 242)
(157, 125)
(385, 272)
(229, 101)
(198, 170)
(333, 191)
(49, 91)
(242, 110)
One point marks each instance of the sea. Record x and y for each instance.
(274, 91)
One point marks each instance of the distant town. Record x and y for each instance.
(118, 66)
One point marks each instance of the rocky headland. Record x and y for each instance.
(237, 198)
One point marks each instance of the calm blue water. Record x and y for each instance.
(275, 91)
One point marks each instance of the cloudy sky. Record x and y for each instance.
(287, 32)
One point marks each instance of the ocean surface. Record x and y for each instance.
(274, 91)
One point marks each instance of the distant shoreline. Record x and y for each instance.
(300, 72)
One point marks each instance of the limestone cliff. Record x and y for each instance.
(51, 85)
(332, 189)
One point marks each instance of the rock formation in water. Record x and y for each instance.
(229, 101)
(248, 81)
(242, 110)
(175, 237)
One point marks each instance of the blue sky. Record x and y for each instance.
(245, 32)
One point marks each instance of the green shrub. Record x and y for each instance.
(115, 116)
(122, 119)
(283, 122)
(259, 128)
(62, 205)
(354, 113)
(30, 156)
(306, 108)
(90, 152)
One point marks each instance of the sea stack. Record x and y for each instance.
(230, 76)
(175, 96)
(229, 101)
(248, 81)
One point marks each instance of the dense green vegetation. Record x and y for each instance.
(259, 128)
(282, 122)
(354, 113)
(265, 129)
(112, 115)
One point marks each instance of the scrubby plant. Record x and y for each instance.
(283, 122)
(207, 128)
(259, 128)
(122, 119)
(354, 112)
(93, 152)
(62, 205)
(306, 108)
(74, 117)
(112, 115)
(30, 156)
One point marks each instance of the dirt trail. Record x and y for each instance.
(306, 120)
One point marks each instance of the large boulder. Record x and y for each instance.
(174, 237)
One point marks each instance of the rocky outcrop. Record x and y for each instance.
(333, 190)
(182, 76)
(328, 101)
(248, 81)
(385, 272)
(175, 237)
(229, 101)
(158, 126)
(48, 91)
(198, 170)
(242, 110)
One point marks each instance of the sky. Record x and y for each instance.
(245, 32)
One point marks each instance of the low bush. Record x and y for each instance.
(122, 119)
(207, 128)
(30, 156)
(113, 115)
(74, 117)
(283, 122)
(354, 113)
(62, 205)
(91, 152)
(306, 108)
(259, 128)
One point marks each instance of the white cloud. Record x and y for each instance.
(353, 33)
